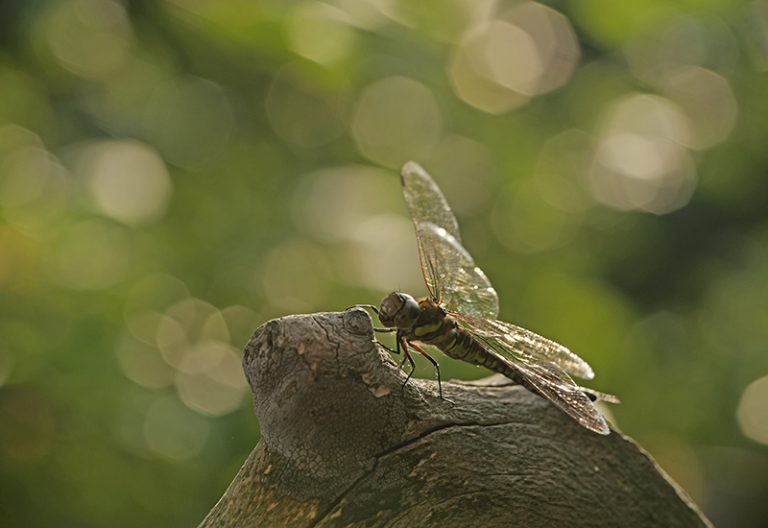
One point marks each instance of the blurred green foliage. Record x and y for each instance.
(175, 173)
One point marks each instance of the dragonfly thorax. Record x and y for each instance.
(399, 310)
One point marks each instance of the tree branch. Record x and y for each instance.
(344, 445)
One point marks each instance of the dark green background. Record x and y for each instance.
(256, 146)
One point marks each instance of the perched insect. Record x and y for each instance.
(459, 314)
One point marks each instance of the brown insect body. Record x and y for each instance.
(433, 326)
(460, 314)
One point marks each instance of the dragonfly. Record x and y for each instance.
(459, 316)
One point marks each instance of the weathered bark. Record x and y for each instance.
(344, 445)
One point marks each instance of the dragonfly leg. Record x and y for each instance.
(374, 310)
(385, 347)
(365, 307)
(437, 370)
(401, 342)
(402, 363)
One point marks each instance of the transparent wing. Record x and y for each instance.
(560, 389)
(526, 346)
(425, 201)
(515, 347)
(452, 277)
(450, 273)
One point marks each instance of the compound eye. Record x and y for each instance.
(409, 311)
(391, 305)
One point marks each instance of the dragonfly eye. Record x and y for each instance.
(409, 312)
(399, 310)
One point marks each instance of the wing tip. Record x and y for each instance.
(601, 427)
(410, 167)
(584, 370)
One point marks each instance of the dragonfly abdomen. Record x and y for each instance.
(459, 344)
(434, 327)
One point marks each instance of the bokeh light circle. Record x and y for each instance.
(526, 51)
(127, 180)
(752, 412)
(396, 119)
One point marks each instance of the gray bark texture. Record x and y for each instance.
(344, 444)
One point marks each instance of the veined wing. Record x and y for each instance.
(425, 201)
(450, 273)
(525, 346)
(560, 389)
(549, 379)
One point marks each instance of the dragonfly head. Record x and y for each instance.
(399, 310)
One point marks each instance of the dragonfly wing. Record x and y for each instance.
(449, 271)
(523, 352)
(452, 276)
(560, 389)
(526, 346)
(425, 201)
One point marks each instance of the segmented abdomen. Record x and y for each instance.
(459, 344)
